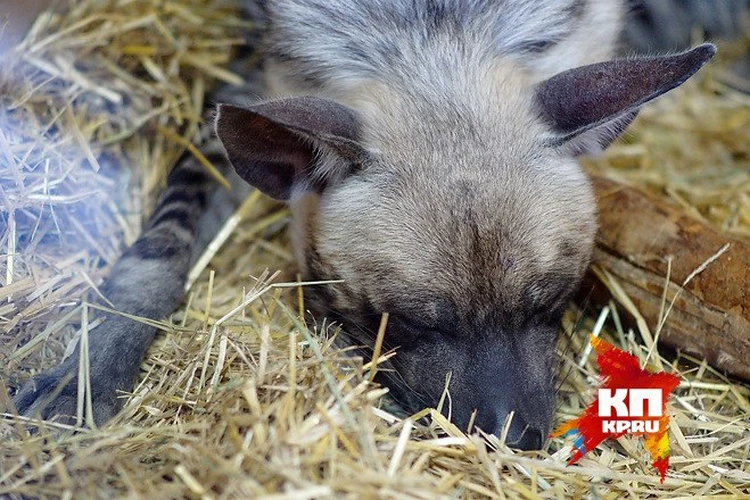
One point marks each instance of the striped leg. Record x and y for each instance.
(147, 281)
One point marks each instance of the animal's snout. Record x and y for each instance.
(521, 434)
(507, 382)
(478, 380)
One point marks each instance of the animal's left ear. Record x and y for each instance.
(589, 106)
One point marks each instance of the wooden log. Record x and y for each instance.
(638, 237)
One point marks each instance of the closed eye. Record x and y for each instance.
(410, 322)
(426, 314)
(536, 46)
(547, 298)
(414, 327)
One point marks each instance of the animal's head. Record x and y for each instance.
(472, 232)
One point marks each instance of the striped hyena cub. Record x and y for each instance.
(427, 149)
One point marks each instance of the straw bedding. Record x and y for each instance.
(238, 399)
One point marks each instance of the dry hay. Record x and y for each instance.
(693, 146)
(238, 398)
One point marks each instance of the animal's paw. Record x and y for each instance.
(54, 396)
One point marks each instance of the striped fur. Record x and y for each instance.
(146, 281)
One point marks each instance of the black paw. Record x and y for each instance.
(54, 396)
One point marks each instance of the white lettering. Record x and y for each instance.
(608, 400)
(638, 396)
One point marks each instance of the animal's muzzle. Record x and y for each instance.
(513, 378)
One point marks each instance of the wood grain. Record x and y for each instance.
(638, 236)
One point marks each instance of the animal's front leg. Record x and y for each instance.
(115, 349)
(146, 282)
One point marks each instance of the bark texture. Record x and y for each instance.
(711, 317)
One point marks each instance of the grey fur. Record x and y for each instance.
(423, 175)
(147, 281)
(468, 218)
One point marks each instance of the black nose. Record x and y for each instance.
(523, 436)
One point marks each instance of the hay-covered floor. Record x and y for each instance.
(237, 398)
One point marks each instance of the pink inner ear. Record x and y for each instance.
(583, 98)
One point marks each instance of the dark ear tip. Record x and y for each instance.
(705, 51)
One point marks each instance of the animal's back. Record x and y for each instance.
(327, 44)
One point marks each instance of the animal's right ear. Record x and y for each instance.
(587, 107)
(289, 145)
